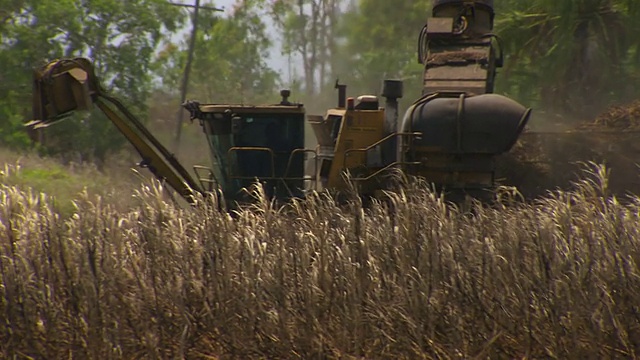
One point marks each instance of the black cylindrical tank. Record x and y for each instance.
(483, 124)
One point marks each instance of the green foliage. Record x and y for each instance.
(360, 42)
(85, 137)
(120, 40)
(229, 60)
(381, 42)
(573, 56)
(12, 132)
(310, 31)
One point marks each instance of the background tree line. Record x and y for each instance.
(573, 56)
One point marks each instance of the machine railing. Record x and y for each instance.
(285, 178)
(237, 149)
(208, 181)
(383, 167)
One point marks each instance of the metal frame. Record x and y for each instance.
(399, 162)
(281, 179)
(207, 183)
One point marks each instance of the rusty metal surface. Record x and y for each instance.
(460, 57)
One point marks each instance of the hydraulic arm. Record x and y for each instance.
(68, 85)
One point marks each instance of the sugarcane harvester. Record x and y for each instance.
(451, 135)
(247, 143)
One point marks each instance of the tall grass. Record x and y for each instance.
(408, 277)
(115, 182)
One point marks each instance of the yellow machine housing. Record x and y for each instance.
(339, 134)
(354, 144)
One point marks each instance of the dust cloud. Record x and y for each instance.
(555, 150)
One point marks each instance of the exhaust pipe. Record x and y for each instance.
(392, 90)
(342, 94)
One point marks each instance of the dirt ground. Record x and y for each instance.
(545, 160)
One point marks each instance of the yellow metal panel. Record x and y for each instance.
(359, 129)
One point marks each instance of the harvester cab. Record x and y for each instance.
(249, 143)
